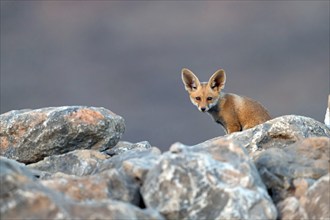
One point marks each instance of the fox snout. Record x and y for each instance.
(202, 108)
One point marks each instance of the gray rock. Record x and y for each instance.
(109, 184)
(124, 146)
(313, 204)
(142, 158)
(78, 162)
(307, 161)
(29, 136)
(212, 180)
(136, 161)
(316, 200)
(118, 177)
(23, 198)
(279, 133)
(111, 209)
(8, 167)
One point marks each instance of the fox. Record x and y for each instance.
(233, 112)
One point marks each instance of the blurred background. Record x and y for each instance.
(127, 56)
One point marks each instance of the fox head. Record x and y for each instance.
(204, 95)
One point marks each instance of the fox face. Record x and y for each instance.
(204, 95)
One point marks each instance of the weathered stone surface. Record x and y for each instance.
(135, 163)
(212, 180)
(290, 170)
(109, 184)
(124, 146)
(22, 197)
(118, 177)
(8, 167)
(111, 209)
(78, 162)
(30, 135)
(312, 204)
(278, 133)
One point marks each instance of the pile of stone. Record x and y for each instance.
(69, 163)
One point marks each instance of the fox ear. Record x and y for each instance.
(218, 80)
(190, 81)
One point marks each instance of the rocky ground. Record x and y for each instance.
(69, 162)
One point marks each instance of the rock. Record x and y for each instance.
(111, 209)
(134, 166)
(136, 159)
(291, 153)
(78, 162)
(136, 162)
(109, 184)
(278, 133)
(291, 169)
(212, 180)
(118, 177)
(29, 136)
(224, 178)
(316, 200)
(313, 204)
(24, 198)
(8, 167)
(124, 146)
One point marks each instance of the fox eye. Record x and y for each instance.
(198, 98)
(209, 98)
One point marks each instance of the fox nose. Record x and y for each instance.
(203, 109)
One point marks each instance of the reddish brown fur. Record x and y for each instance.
(233, 112)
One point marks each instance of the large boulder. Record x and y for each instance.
(278, 133)
(31, 135)
(212, 180)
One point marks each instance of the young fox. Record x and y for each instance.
(233, 112)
